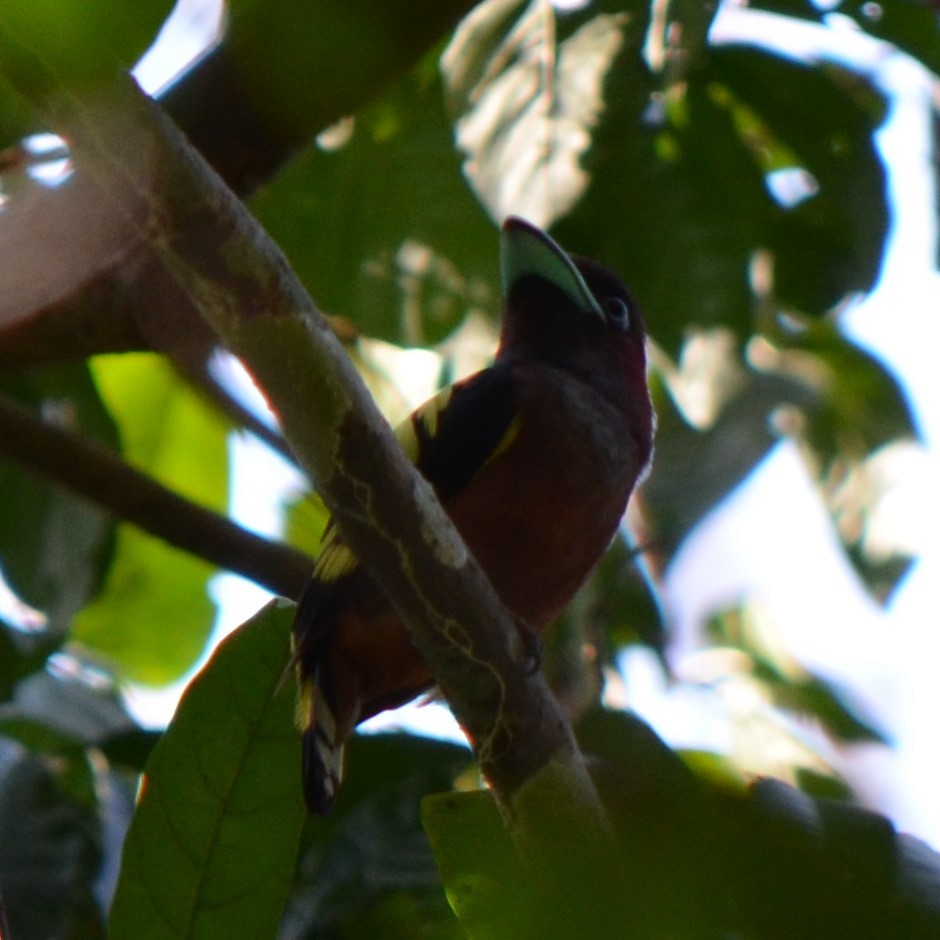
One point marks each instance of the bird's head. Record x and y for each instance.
(574, 314)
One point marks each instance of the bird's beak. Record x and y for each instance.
(526, 250)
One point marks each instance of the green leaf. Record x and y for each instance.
(830, 244)
(47, 42)
(680, 204)
(22, 654)
(167, 430)
(676, 205)
(212, 847)
(16, 120)
(859, 405)
(154, 616)
(482, 875)
(64, 710)
(55, 547)
(410, 273)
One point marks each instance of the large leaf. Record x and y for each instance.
(524, 104)
(410, 271)
(830, 244)
(212, 847)
(154, 616)
(55, 547)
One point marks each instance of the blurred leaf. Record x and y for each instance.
(790, 685)
(370, 861)
(55, 547)
(67, 709)
(407, 274)
(52, 41)
(808, 867)
(524, 104)
(485, 883)
(49, 853)
(882, 576)
(166, 429)
(16, 121)
(212, 847)
(830, 244)
(561, 885)
(675, 206)
(22, 653)
(859, 405)
(693, 470)
(154, 616)
(304, 65)
(679, 203)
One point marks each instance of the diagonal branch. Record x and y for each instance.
(105, 479)
(244, 287)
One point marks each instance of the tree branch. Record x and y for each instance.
(244, 287)
(102, 477)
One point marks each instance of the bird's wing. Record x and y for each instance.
(449, 438)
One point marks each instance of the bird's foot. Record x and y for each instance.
(531, 648)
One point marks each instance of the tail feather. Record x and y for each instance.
(322, 756)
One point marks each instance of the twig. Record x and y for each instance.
(102, 477)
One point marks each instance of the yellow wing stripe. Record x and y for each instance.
(335, 559)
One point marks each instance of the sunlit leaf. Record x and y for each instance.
(212, 847)
(479, 866)
(154, 616)
(166, 429)
(524, 105)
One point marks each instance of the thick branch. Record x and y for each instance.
(129, 494)
(244, 287)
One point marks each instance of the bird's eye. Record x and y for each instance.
(618, 312)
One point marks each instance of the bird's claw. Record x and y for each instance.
(531, 648)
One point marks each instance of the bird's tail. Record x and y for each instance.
(322, 747)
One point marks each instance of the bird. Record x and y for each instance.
(533, 458)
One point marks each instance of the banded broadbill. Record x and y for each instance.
(534, 459)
